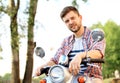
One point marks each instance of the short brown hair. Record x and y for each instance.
(67, 9)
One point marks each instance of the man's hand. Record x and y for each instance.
(74, 66)
(37, 71)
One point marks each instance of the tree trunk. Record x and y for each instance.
(30, 48)
(13, 10)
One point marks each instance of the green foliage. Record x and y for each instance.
(112, 58)
(85, 0)
(74, 3)
(7, 76)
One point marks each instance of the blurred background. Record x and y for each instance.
(49, 31)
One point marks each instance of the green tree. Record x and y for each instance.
(7, 76)
(11, 9)
(112, 34)
(31, 44)
(113, 46)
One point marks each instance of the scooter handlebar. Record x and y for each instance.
(89, 60)
(86, 60)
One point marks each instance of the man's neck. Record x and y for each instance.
(80, 32)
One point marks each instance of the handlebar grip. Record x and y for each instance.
(44, 70)
(89, 60)
(97, 60)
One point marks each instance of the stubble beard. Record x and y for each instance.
(75, 30)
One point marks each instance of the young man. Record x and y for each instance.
(74, 47)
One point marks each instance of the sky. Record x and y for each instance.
(52, 30)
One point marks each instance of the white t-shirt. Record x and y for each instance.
(77, 48)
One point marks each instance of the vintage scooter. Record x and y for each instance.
(60, 74)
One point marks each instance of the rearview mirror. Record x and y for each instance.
(40, 52)
(97, 34)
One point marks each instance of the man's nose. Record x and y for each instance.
(70, 21)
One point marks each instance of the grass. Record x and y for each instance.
(108, 80)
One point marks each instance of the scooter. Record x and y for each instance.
(60, 74)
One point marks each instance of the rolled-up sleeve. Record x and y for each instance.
(59, 52)
(65, 48)
(100, 46)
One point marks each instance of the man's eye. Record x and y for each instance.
(66, 21)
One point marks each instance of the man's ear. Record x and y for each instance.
(80, 16)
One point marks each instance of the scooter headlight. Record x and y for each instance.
(56, 74)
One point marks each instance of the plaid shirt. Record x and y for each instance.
(67, 46)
